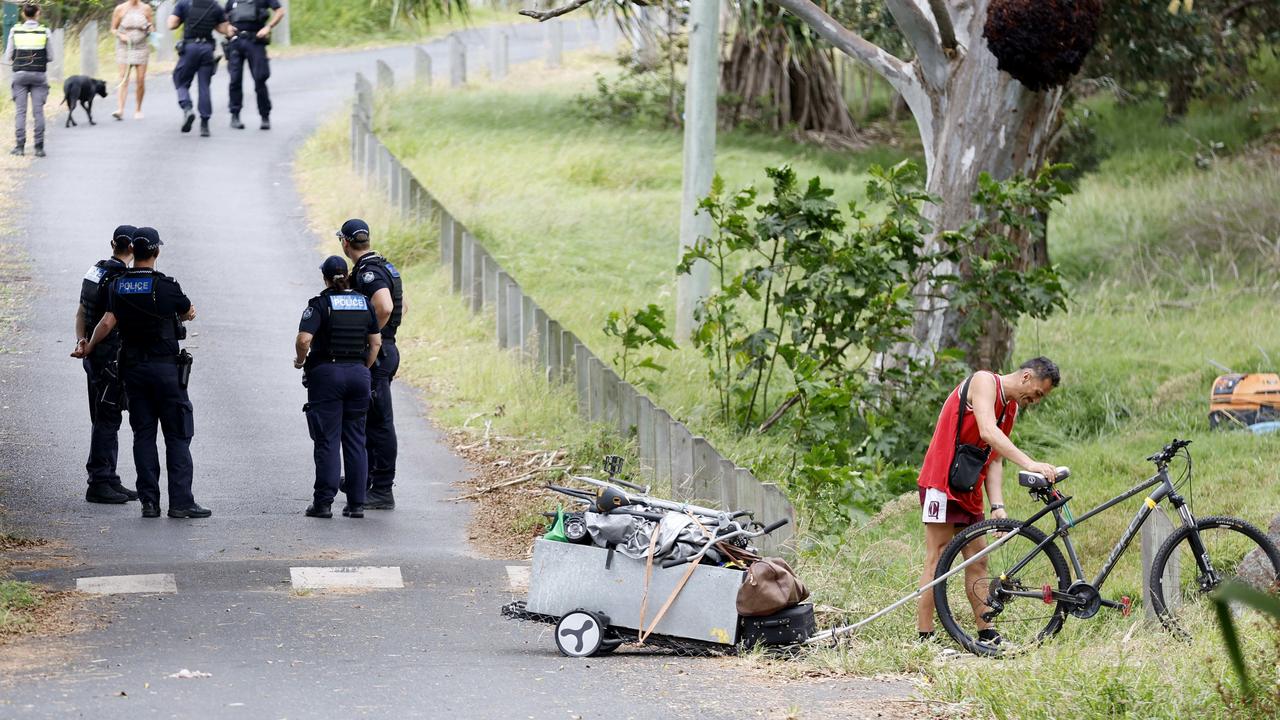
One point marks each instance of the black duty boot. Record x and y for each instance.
(194, 512)
(104, 494)
(19, 151)
(235, 122)
(124, 491)
(204, 127)
(319, 510)
(39, 149)
(380, 500)
(188, 119)
(352, 511)
(150, 509)
(266, 123)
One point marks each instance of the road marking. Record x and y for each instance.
(122, 584)
(518, 578)
(319, 578)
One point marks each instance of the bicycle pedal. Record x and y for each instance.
(1126, 605)
(1046, 594)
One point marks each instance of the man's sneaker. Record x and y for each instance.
(992, 639)
(39, 149)
(18, 151)
(104, 494)
(235, 122)
(380, 500)
(266, 124)
(191, 513)
(204, 127)
(124, 490)
(317, 510)
(188, 119)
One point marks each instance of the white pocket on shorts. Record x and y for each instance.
(935, 506)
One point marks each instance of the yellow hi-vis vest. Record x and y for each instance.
(30, 48)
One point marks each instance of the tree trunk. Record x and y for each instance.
(982, 121)
(1178, 101)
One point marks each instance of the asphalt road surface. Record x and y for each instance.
(237, 240)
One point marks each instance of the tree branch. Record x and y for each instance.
(545, 15)
(913, 20)
(893, 69)
(946, 30)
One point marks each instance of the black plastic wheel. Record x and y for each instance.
(1014, 599)
(580, 633)
(1230, 544)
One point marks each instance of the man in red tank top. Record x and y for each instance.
(992, 408)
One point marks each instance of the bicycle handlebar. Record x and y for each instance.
(1168, 452)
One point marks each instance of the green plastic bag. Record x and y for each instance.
(556, 532)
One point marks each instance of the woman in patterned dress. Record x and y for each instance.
(131, 23)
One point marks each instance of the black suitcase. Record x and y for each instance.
(787, 627)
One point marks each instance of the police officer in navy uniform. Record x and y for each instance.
(379, 281)
(252, 21)
(106, 392)
(338, 340)
(148, 308)
(199, 18)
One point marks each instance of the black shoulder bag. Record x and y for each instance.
(966, 467)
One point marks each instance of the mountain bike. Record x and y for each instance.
(1025, 588)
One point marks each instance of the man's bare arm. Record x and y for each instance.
(382, 306)
(982, 397)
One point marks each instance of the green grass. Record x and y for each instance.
(344, 23)
(1166, 273)
(17, 599)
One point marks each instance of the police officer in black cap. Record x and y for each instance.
(106, 392)
(379, 281)
(199, 19)
(148, 308)
(338, 340)
(252, 21)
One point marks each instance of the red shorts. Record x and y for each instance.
(956, 515)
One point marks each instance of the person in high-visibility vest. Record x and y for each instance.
(28, 53)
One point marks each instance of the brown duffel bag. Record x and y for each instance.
(770, 586)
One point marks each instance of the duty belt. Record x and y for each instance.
(198, 39)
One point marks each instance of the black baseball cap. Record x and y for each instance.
(146, 237)
(334, 266)
(353, 226)
(124, 232)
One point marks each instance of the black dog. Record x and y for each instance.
(81, 89)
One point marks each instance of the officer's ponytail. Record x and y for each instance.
(339, 282)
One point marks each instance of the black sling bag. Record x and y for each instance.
(966, 467)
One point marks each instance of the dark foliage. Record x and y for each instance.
(1042, 43)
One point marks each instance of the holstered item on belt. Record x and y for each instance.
(185, 361)
(112, 387)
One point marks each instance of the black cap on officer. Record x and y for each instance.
(353, 227)
(334, 266)
(123, 235)
(146, 239)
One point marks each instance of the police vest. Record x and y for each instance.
(98, 277)
(397, 289)
(248, 12)
(142, 325)
(30, 48)
(348, 325)
(202, 19)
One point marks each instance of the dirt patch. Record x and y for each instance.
(54, 614)
(507, 487)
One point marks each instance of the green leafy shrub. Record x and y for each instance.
(636, 331)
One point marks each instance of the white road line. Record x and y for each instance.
(121, 584)
(518, 578)
(319, 578)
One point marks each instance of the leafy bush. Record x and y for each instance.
(636, 331)
(643, 98)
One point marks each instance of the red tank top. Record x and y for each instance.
(942, 449)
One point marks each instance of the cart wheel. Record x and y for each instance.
(580, 633)
(611, 642)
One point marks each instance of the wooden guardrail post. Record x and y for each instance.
(1154, 532)
(421, 67)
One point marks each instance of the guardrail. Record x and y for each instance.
(670, 454)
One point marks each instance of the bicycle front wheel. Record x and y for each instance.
(1195, 561)
(1005, 589)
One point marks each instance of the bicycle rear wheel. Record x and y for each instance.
(1013, 599)
(1182, 578)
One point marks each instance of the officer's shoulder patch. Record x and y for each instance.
(306, 314)
(392, 269)
(95, 274)
(135, 285)
(352, 301)
(367, 276)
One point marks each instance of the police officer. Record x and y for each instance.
(252, 21)
(28, 51)
(338, 340)
(106, 392)
(148, 307)
(379, 281)
(199, 18)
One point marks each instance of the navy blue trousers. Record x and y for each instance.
(196, 63)
(337, 402)
(156, 400)
(240, 51)
(381, 428)
(106, 403)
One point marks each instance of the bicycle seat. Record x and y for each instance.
(1036, 481)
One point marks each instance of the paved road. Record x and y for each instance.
(237, 241)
